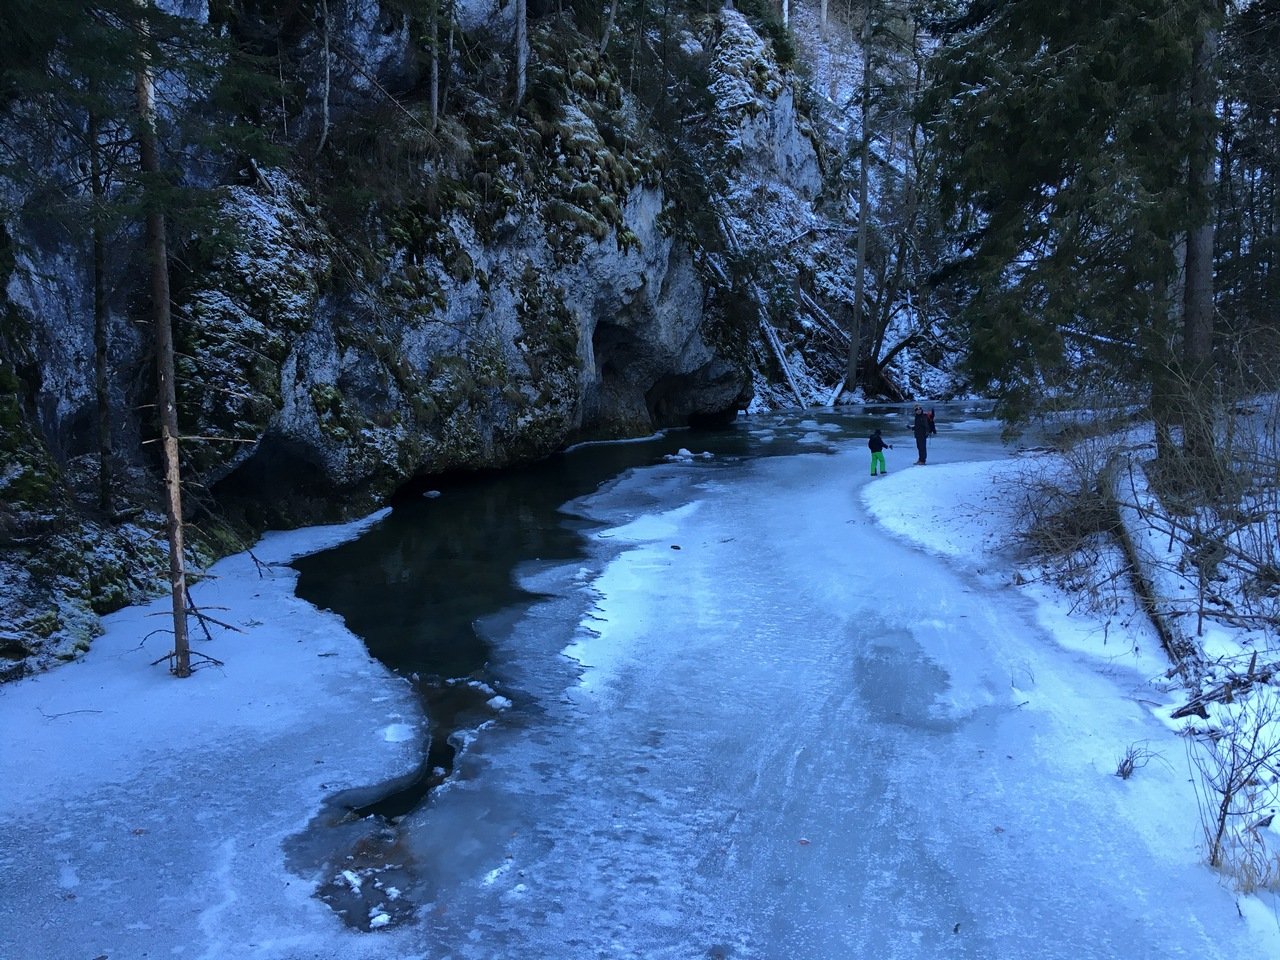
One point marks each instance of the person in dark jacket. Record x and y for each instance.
(921, 426)
(877, 445)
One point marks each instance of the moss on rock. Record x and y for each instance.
(257, 288)
(32, 488)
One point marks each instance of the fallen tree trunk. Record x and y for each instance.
(1131, 502)
(823, 319)
(771, 337)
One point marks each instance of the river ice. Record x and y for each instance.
(796, 736)
(805, 714)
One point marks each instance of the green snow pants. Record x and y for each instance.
(877, 459)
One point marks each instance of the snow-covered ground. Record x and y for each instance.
(809, 715)
(145, 816)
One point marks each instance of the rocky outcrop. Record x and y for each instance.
(346, 393)
(769, 141)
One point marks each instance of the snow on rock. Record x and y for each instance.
(493, 14)
(684, 455)
(353, 880)
(757, 105)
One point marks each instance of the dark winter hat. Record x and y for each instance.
(877, 431)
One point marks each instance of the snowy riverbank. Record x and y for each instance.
(973, 526)
(141, 815)
(146, 816)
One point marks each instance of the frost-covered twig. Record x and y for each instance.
(204, 619)
(1238, 762)
(1229, 689)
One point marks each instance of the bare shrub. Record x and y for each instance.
(1253, 865)
(1068, 521)
(1222, 502)
(1238, 769)
(1215, 481)
(1135, 757)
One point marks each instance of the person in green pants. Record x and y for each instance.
(877, 445)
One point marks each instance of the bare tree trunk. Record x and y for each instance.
(101, 352)
(324, 128)
(823, 21)
(1197, 310)
(448, 63)
(522, 51)
(1167, 393)
(890, 286)
(864, 220)
(433, 32)
(1166, 396)
(608, 26)
(168, 403)
(284, 103)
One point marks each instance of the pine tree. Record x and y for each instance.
(1197, 300)
(864, 212)
(68, 70)
(167, 399)
(895, 239)
(1248, 202)
(1063, 135)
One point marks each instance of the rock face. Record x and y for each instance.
(527, 351)
(756, 103)
(539, 281)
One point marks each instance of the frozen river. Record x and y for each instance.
(728, 715)
(779, 732)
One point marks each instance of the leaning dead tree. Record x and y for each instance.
(762, 307)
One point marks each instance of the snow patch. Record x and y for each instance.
(398, 733)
